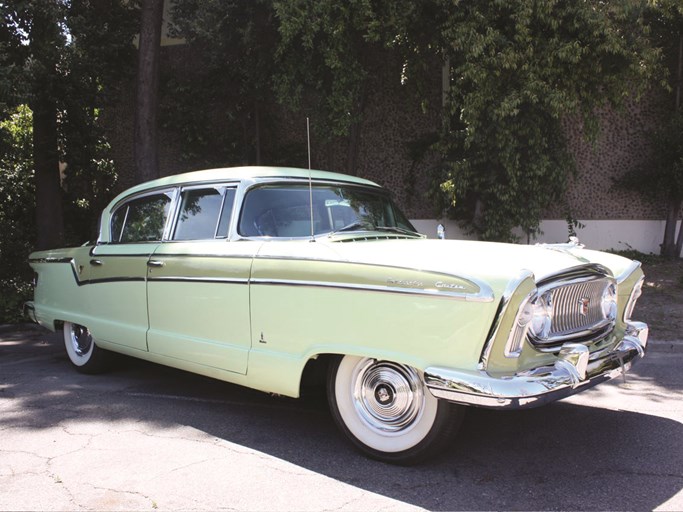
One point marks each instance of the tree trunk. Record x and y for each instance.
(146, 145)
(669, 242)
(679, 85)
(671, 248)
(679, 241)
(49, 217)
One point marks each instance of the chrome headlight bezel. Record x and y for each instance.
(609, 302)
(540, 325)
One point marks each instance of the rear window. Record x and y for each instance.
(141, 220)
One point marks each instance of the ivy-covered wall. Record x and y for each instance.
(393, 126)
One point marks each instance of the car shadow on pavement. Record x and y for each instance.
(562, 456)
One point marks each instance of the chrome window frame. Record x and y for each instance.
(171, 192)
(222, 188)
(247, 185)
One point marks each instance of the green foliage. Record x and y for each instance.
(323, 59)
(17, 219)
(73, 56)
(516, 69)
(233, 44)
(634, 254)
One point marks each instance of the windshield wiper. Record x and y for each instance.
(350, 227)
(366, 226)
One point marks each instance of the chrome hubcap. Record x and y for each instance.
(387, 396)
(81, 340)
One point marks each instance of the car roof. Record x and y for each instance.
(240, 173)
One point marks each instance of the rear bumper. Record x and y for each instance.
(574, 371)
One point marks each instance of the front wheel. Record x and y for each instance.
(386, 411)
(82, 351)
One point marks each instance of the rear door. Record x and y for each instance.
(198, 285)
(117, 288)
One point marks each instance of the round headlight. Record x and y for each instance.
(526, 312)
(542, 316)
(609, 302)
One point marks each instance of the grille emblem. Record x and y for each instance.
(585, 303)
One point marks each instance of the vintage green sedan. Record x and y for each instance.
(279, 278)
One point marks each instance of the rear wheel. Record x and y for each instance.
(83, 353)
(386, 411)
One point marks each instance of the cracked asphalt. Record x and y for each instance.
(145, 437)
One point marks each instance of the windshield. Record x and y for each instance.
(285, 211)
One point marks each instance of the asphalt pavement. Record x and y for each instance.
(146, 437)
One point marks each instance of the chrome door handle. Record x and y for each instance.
(96, 263)
(155, 263)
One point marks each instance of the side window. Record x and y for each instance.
(204, 214)
(141, 220)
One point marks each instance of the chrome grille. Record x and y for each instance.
(577, 307)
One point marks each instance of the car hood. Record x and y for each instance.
(468, 258)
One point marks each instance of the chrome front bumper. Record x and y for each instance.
(575, 370)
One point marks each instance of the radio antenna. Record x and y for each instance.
(310, 179)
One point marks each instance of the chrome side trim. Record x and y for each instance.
(572, 372)
(485, 292)
(184, 279)
(635, 265)
(500, 314)
(375, 288)
(70, 261)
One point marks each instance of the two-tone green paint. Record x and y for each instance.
(255, 311)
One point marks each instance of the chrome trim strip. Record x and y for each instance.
(374, 288)
(79, 282)
(70, 261)
(573, 274)
(485, 292)
(570, 374)
(635, 265)
(184, 279)
(500, 314)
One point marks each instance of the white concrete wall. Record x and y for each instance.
(641, 235)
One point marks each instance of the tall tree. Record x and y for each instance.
(146, 145)
(661, 179)
(46, 38)
(64, 55)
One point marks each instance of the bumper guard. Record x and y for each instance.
(574, 371)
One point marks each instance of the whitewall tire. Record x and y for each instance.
(83, 353)
(387, 412)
